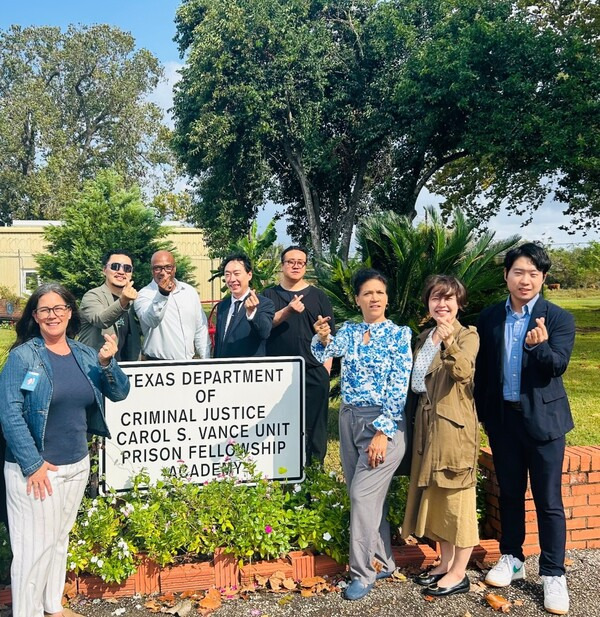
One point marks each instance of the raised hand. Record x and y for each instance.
(537, 335)
(128, 294)
(251, 303)
(323, 329)
(296, 303)
(108, 350)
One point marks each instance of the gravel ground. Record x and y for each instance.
(393, 599)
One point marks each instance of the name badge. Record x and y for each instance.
(31, 381)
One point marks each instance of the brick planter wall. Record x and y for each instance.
(581, 498)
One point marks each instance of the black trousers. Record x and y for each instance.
(515, 454)
(317, 406)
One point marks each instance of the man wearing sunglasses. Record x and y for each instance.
(108, 309)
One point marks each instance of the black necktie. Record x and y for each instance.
(236, 307)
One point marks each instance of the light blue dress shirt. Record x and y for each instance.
(515, 331)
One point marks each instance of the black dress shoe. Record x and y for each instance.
(441, 592)
(425, 579)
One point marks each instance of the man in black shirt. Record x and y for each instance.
(297, 306)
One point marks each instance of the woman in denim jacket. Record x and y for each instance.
(52, 387)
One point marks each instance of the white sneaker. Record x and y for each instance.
(507, 570)
(556, 594)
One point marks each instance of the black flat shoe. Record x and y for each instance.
(425, 579)
(442, 592)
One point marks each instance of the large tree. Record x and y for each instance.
(336, 108)
(107, 214)
(71, 103)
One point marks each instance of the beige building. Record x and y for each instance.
(24, 239)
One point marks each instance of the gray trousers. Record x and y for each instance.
(370, 537)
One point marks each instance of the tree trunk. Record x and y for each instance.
(312, 213)
(348, 222)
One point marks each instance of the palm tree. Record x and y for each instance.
(407, 255)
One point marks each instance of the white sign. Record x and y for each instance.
(192, 413)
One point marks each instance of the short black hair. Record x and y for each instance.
(531, 250)
(242, 257)
(294, 247)
(366, 274)
(109, 254)
(446, 285)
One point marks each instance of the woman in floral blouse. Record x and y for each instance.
(376, 367)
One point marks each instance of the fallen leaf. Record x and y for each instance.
(211, 601)
(261, 580)
(467, 614)
(311, 581)
(286, 599)
(398, 576)
(112, 600)
(306, 593)
(70, 590)
(568, 561)
(167, 598)
(518, 602)
(429, 598)
(190, 593)
(153, 606)
(182, 609)
(289, 583)
(498, 603)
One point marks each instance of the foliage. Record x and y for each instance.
(338, 109)
(262, 252)
(5, 554)
(7, 294)
(579, 267)
(107, 214)
(73, 103)
(407, 255)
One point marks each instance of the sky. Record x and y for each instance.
(151, 23)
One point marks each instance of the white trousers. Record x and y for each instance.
(39, 536)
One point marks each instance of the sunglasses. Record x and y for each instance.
(116, 266)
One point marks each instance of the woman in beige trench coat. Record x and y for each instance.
(441, 502)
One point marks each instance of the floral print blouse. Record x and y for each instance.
(373, 373)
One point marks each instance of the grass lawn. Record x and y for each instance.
(582, 379)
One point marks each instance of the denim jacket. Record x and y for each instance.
(23, 413)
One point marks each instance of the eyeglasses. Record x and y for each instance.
(161, 268)
(294, 262)
(59, 310)
(116, 266)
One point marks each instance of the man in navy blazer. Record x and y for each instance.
(525, 347)
(245, 319)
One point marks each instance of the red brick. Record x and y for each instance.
(577, 523)
(531, 527)
(530, 516)
(586, 459)
(594, 522)
(565, 490)
(492, 500)
(594, 476)
(531, 549)
(573, 545)
(593, 544)
(594, 452)
(578, 478)
(574, 460)
(581, 511)
(584, 534)
(565, 465)
(529, 505)
(593, 499)
(585, 489)
(579, 500)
